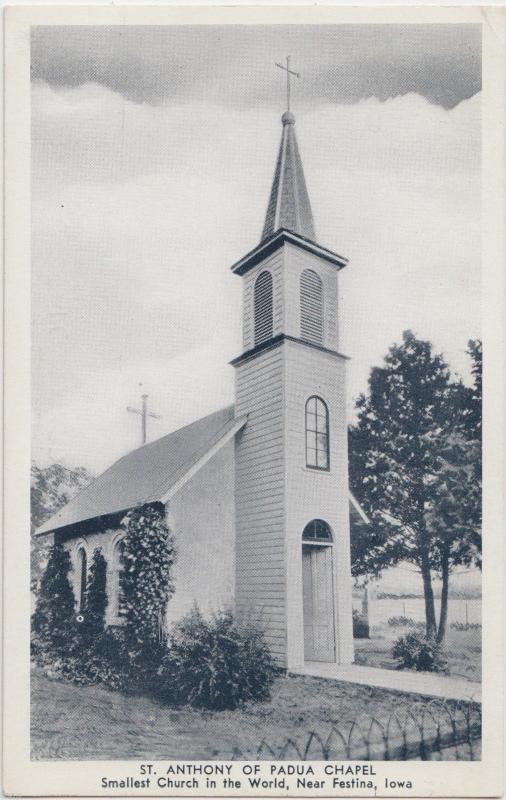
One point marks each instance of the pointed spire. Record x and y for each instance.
(289, 205)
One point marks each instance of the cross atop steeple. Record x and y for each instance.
(289, 207)
(288, 73)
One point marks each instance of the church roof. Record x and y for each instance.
(155, 470)
(147, 475)
(289, 205)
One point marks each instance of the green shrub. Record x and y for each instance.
(417, 651)
(96, 596)
(85, 661)
(217, 663)
(79, 648)
(360, 625)
(405, 622)
(465, 626)
(53, 618)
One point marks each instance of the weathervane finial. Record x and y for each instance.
(288, 73)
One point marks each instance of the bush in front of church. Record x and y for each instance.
(73, 646)
(217, 663)
(53, 619)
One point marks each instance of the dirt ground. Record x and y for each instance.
(463, 649)
(73, 722)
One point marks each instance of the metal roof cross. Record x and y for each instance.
(288, 73)
(144, 413)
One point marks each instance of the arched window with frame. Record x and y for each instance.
(317, 434)
(311, 307)
(317, 531)
(263, 311)
(118, 597)
(82, 568)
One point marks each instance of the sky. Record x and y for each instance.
(153, 151)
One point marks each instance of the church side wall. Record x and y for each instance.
(202, 518)
(104, 541)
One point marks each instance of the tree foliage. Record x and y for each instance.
(54, 610)
(50, 489)
(415, 466)
(217, 663)
(96, 594)
(419, 652)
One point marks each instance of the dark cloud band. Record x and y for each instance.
(234, 65)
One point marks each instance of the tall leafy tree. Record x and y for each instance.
(454, 519)
(96, 594)
(411, 463)
(54, 610)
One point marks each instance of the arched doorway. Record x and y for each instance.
(318, 592)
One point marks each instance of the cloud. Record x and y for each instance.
(139, 210)
(233, 65)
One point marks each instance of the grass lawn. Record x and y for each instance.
(89, 722)
(463, 649)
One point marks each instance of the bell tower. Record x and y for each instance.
(291, 483)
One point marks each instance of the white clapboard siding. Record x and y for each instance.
(260, 568)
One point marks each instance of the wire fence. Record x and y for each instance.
(434, 730)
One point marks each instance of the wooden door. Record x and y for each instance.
(318, 603)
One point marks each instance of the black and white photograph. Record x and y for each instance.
(256, 307)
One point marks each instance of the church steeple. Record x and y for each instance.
(291, 462)
(289, 207)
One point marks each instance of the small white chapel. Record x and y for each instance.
(256, 494)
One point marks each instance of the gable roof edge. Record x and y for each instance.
(207, 456)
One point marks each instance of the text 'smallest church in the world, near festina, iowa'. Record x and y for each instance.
(257, 493)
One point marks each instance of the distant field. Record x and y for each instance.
(459, 610)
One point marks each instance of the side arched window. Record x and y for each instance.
(119, 600)
(317, 434)
(263, 307)
(82, 567)
(311, 307)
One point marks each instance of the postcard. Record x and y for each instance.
(254, 257)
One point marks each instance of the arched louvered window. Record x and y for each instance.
(82, 565)
(317, 434)
(263, 307)
(317, 531)
(119, 603)
(311, 307)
